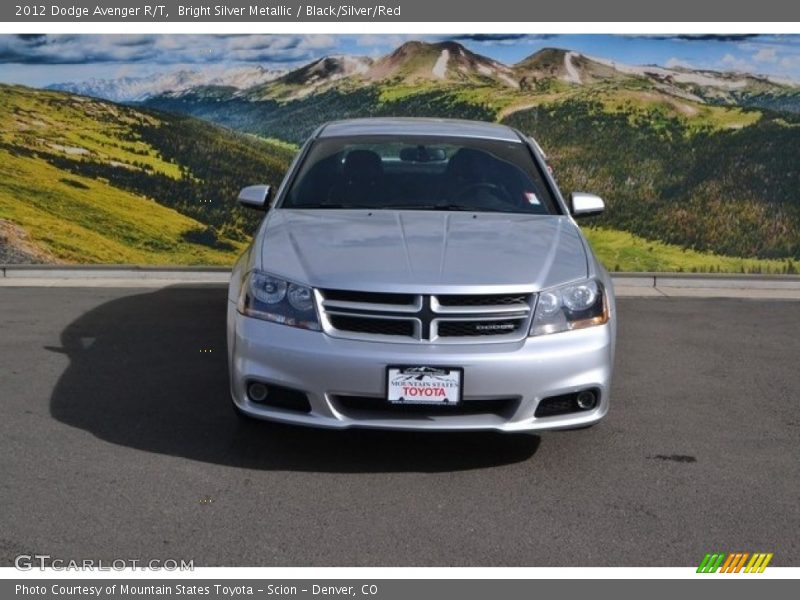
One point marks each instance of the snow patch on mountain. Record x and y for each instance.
(440, 68)
(573, 75)
(682, 76)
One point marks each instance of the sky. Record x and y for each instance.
(40, 60)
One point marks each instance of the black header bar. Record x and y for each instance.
(445, 11)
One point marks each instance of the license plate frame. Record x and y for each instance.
(446, 385)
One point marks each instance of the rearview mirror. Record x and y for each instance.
(422, 154)
(255, 196)
(586, 205)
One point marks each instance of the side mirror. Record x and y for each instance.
(255, 196)
(586, 205)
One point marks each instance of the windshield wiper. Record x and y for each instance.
(429, 207)
(443, 207)
(317, 206)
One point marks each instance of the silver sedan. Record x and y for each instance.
(420, 274)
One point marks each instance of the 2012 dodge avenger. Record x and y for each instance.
(420, 274)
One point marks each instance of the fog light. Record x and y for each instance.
(586, 400)
(257, 392)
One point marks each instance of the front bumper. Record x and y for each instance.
(328, 369)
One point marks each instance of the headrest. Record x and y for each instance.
(362, 164)
(467, 163)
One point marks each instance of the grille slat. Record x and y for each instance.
(380, 408)
(333, 305)
(401, 327)
(478, 328)
(369, 297)
(483, 300)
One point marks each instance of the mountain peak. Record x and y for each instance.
(565, 65)
(317, 75)
(327, 69)
(415, 46)
(446, 61)
(548, 52)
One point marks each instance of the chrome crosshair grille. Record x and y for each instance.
(445, 318)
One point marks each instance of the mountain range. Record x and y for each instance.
(705, 161)
(446, 63)
(137, 89)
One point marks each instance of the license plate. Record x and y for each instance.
(424, 385)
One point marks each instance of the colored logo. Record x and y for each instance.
(735, 562)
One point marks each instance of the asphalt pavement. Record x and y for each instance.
(117, 441)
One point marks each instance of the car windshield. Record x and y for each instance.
(420, 173)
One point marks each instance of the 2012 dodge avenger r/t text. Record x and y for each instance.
(420, 274)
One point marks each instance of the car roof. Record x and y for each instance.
(419, 127)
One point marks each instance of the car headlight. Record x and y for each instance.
(271, 298)
(572, 306)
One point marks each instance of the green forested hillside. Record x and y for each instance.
(88, 181)
(695, 177)
(83, 180)
(733, 191)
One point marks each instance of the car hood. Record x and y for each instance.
(385, 250)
